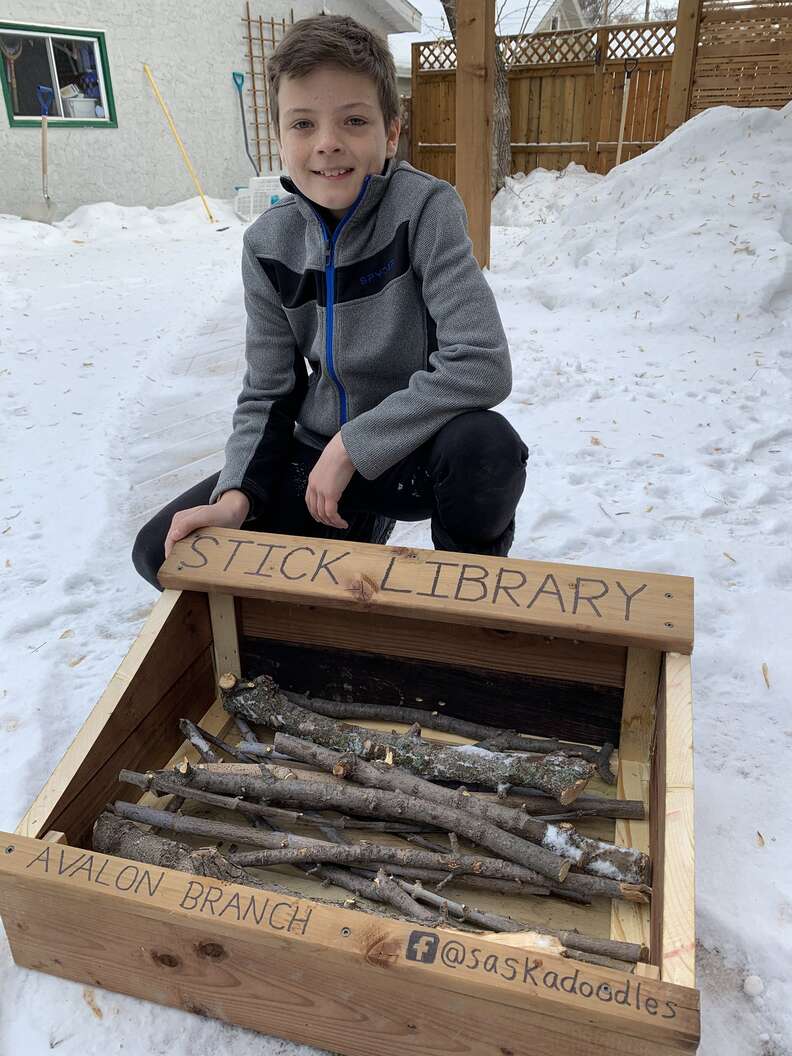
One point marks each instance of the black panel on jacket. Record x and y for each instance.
(369, 276)
(353, 282)
(295, 288)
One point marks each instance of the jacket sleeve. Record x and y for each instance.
(273, 389)
(471, 368)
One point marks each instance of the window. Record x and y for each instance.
(62, 70)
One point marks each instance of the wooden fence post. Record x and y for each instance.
(595, 104)
(414, 60)
(475, 83)
(683, 64)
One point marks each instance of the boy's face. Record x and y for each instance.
(332, 134)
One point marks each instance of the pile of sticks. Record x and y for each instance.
(429, 794)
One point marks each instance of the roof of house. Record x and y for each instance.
(569, 13)
(399, 15)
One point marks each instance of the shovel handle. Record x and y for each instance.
(44, 172)
(628, 72)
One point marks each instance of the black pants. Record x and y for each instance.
(468, 478)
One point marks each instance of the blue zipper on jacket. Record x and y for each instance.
(330, 291)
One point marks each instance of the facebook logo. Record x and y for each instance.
(422, 946)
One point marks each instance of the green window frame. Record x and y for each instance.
(57, 120)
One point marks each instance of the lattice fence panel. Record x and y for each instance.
(561, 46)
(261, 36)
(437, 55)
(744, 55)
(642, 40)
(647, 40)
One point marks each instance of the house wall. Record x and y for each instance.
(192, 53)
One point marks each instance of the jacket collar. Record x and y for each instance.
(370, 197)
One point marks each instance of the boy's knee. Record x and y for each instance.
(148, 553)
(481, 442)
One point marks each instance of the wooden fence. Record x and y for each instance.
(565, 91)
(744, 55)
(566, 87)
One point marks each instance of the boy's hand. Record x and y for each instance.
(327, 482)
(229, 511)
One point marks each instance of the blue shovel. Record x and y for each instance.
(239, 80)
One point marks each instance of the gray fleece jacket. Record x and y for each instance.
(391, 312)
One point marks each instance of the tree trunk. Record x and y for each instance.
(501, 126)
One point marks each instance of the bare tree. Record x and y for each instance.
(664, 13)
(598, 12)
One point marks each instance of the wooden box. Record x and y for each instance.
(584, 654)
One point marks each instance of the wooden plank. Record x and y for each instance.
(225, 638)
(612, 104)
(664, 97)
(547, 707)
(751, 49)
(595, 110)
(682, 65)
(760, 12)
(640, 701)
(601, 665)
(568, 601)
(557, 109)
(175, 634)
(148, 746)
(749, 83)
(547, 132)
(638, 105)
(534, 99)
(582, 87)
(631, 922)
(318, 974)
(475, 81)
(414, 105)
(652, 128)
(678, 941)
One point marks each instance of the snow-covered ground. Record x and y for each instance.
(650, 320)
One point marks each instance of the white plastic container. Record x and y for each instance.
(79, 106)
(260, 194)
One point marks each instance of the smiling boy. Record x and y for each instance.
(366, 271)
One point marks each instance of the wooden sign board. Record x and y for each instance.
(567, 601)
(255, 957)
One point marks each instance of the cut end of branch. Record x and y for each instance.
(569, 795)
(344, 767)
(636, 893)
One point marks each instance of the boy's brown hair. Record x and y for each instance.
(334, 40)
